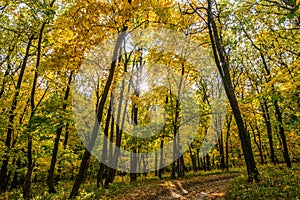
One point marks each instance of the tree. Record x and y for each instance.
(223, 67)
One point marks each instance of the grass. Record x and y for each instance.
(276, 182)
(88, 190)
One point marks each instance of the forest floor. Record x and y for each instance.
(194, 188)
(200, 185)
(276, 182)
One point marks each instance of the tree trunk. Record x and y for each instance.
(267, 120)
(14, 183)
(161, 162)
(176, 137)
(226, 143)
(208, 165)
(156, 164)
(134, 162)
(181, 166)
(109, 176)
(198, 160)
(258, 145)
(104, 148)
(119, 130)
(50, 179)
(282, 135)
(133, 165)
(221, 149)
(12, 114)
(27, 183)
(7, 71)
(275, 102)
(100, 109)
(66, 136)
(223, 67)
(193, 159)
(204, 162)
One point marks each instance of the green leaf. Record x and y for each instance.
(295, 9)
(282, 19)
(291, 15)
(292, 2)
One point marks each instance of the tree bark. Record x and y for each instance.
(275, 103)
(282, 135)
(207, 162)
(12, 114)
(156, 164)
(221, 148)
(193, 159)
(134, 162)
(267, 120)
(7, 71)
(50, 179)
(161, 161)
(104, 149)
(99, 112)
(100, 109)
(258, 144)
(198, 160)
(119, 130)
(27, 194)
(227, 139)
(110, 152)
(223, 67)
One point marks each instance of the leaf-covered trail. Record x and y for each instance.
(196, 188)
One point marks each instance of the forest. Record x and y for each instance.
(155, 99)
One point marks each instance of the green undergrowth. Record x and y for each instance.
(276, 182)
(89, 191)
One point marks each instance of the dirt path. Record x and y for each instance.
(195, 188)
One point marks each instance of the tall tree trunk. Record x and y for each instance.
(14, 183)
(7, 71)
(133, 165)
(176, 126)
(208, 164)
(27, 194)
(282, 135)
(198, 160)
(109, 176)
(193, 159)
(133, 162)
(227, 139)
(223, 67)
(267, 120)
(50, 178)
(116, 154)
(33, 110)
(275, 102)
(119, 130)
(161, 161)
(258, 144)
(156, 164)
(204, 162)
(27, 183)
(65, 143)
(221, 146)
(12, 114)
(181, 166)
(104, 149)
(100, 109)
(278, 114)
